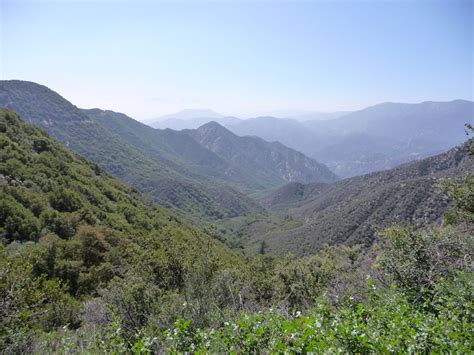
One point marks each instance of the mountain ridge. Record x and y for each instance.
(261, 156)
(375, 138)
(78, 131)
(350, 211)
(171, 166)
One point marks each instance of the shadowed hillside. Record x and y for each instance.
(351, 211)
(271, 162)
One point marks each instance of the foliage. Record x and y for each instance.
(417, 261)
(69, 229)
(29, 303)
(463, 195)
(88, 265)
(386, 322)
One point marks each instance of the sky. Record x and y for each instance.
(241, 58)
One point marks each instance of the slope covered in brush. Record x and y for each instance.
(161, 177)
(69, 231)
(51, 192)
(351, 211)
(86, 265)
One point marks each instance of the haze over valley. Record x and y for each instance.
(313, 191)
(212, 174)
(353, 143)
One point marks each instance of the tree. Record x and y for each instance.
(40, 145)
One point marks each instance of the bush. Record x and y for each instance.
(93, 245)
(386, 323)
(417, 260)
(40, 145)
(29, 304)
(64, 200)
(462, 192)
(16, 221)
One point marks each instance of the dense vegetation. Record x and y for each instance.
(159, 173)
(87, 265)
(170, 166)
(69, 229)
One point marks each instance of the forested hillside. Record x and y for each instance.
(170, 166)
(88, 265)
(155, 175)
(351, 211)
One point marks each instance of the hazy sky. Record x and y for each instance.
(241, 58)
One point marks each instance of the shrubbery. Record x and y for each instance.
(87, 266)
(385, 322)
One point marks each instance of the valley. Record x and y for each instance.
(205, 222)
(236, 177)
(376, 138)
(254, 192)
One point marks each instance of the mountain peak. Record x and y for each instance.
(212, 124)
(272, 163)
(214, 129)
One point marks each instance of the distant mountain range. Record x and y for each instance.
(190, 119)
(189, 114)
(171, 166)
(353, 143)
(376, 138)
(193, 123)
(258, 191)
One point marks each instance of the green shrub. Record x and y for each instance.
(16, 221)
(417, 260)
(65, 200)
(40, 145)
(386, 322)
(29, 304)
